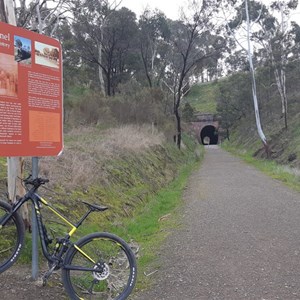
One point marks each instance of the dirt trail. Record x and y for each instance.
(16, 284)
(240, 237)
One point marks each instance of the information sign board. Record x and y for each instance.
(30, 93)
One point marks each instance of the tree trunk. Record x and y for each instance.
(15, 173)
(15, 165)
(254, 92)
(100, 70)
(178, 125)
(177, 99)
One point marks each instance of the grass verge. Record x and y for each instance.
(289, 176)
(152, 223)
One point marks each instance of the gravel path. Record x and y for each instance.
(240, 237)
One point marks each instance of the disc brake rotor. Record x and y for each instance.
(103, 273)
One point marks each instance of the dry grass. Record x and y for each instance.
(88, 148)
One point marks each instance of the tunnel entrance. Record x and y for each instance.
(209, 135)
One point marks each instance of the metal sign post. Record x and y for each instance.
(34, 227)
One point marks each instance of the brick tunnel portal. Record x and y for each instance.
(209, 135)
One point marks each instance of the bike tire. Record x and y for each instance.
(109, 253)
(11, 237)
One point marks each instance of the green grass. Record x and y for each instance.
(202, 97)
(285, 174)
(151, 224)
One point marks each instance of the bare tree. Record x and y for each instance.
(194, 40)
(37, 15)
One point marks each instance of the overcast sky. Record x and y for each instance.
(171, 7)
(168, 7)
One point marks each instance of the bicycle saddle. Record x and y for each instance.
(95, 207)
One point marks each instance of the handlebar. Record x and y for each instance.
(36, 182)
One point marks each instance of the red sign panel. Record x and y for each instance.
(30, 93)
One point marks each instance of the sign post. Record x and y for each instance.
(30, 100)
(34, 226)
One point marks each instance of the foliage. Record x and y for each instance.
(284, 144)
(105, 38)
(234, 100)
(187, 112)
(154, 35)
(276, 37)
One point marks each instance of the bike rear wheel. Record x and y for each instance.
(112, 268)
(11, 237)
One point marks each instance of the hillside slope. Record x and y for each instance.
(232, 98)
(119, 167)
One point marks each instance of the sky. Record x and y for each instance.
(171, 7)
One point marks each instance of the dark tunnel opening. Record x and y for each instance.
(209, 135)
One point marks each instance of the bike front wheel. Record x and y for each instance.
(99, 266)
(11, 237)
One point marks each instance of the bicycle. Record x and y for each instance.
(99, 265)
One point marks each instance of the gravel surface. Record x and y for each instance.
(240, 237)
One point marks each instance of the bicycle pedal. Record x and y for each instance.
(44, 281)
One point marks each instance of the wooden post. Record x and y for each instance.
(15, 165)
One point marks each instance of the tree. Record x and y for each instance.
(246, 15)
(104, 37)
(234, 99)
(154, 34)
(39, 16)
(276, 38)
(276, 35)
(188, 112)
(193, 41)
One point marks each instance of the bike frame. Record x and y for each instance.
(37, 200)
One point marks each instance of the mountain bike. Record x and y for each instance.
(99, 265)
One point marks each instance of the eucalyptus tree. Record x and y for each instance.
(43, 16)
(276, 37)
(154, 34)
(104, 39)
(234, 99)
(275, 34)
(237, 61)
(295, 35)
(120, 48)
(194, 40)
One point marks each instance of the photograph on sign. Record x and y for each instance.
(46, 55)
(30, 93)
(22, 50)
(8, 75)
